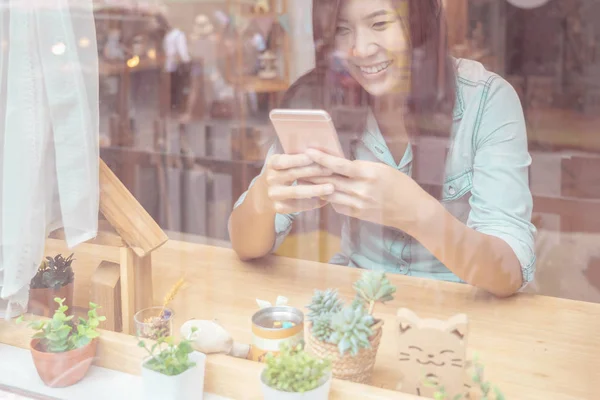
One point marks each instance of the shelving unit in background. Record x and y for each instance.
(279, 43)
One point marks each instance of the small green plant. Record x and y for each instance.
(323, 302)
(349, 327)
(487, 390)
(168, 358)
(61, 334)
(54, 273)
(374, 287)
(294, 370)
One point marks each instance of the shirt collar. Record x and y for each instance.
(374, 140)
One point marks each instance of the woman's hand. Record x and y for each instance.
(372, 191)
(281, 173)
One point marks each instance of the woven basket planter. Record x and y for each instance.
(358, 368)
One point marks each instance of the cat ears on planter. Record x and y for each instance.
(281, 301)
(456, 325)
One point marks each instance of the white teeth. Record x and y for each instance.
(375, 68)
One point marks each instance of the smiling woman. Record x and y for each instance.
(464, 216)
(374, 46)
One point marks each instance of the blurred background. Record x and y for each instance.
(186, 87)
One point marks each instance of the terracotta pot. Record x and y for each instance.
(41, 301)
(63, 369)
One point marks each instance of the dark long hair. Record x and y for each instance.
(433, 78)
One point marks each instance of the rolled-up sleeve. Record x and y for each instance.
(501, 201)
(283, 222)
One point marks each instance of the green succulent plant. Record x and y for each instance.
(54, 273)
(374, 287)
(61, 334)
(351, 329)
(323, 302)
(321, 328)
(294, 370)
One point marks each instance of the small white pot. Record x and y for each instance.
(320, 393)
(185, 386)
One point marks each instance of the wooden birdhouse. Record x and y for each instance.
(126, 287)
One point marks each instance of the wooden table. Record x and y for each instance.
(534, 347)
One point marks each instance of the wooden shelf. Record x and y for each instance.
(254, 83)
(225, 376)
(258, 85)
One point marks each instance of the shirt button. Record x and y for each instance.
(403, 266)
(451, 190)
(379, 149)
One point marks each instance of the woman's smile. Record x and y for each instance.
(374, 71)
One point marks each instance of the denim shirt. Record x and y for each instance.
(485, 186)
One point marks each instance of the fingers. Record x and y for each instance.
(350, 186)
(282, 193)
(345, 201)
(338, 165)
(286, 161)
(293, 206)
(296, 173)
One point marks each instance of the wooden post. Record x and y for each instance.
(127, 289)
(136, 286)
(106, 291)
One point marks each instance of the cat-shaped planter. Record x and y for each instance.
(434, 351)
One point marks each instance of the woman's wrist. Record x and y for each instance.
(262, 202)
(427, 216)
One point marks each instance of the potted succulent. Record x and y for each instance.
(63, 350)
(172, 371)
(54, 278)
(349, 335)
(295, 374)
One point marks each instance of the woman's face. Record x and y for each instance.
(372, 42)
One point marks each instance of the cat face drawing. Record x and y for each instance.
(431, 351)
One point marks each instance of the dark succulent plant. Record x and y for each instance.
(54, 273)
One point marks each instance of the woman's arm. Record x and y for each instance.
(380, 194)
(494, 249)
(252, 223)
(479, 259)
(263, 216)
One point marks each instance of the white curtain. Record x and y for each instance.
(48, 134)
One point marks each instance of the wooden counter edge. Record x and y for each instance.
(225, 376)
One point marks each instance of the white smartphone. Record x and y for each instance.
(300, 130)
